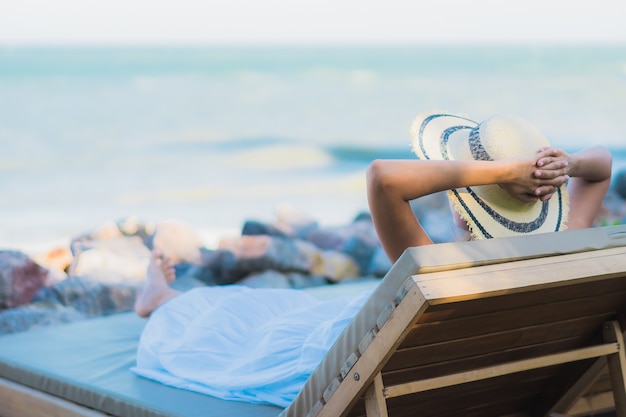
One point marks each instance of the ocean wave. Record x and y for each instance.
(283, 157)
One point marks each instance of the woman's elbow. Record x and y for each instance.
(378, 175)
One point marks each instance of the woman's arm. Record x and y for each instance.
(590, 176)
(392, 184)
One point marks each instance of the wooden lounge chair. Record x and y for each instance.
(523, 333)
(507, 327)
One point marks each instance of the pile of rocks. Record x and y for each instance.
(101, 271)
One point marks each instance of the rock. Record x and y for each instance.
(359, 240)
(56, 261)
(92, 298)
(178, 240)
(364, 215)
(619, 184)
(361, 247)
(20, 278)
(108, 230)
(434, 213)
(110, 249)
(379, 264)
(440, 226)
(131, 226)
(336, 266)
(294, 222)
(39, 314)
(327, 238)
(261, 253)
(215, 267)
(115, 260)
(332, 265)
(254, 228)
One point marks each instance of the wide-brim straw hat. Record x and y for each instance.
(488, 209)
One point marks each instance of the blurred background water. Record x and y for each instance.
(216, 135)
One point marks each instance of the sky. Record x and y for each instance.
(192, 22)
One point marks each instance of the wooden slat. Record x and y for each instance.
(522, 276)
(400, 376)
(484, 395)
(455, 349)
(580, 387)
(19, 401)
(591, 405)
(426, 333)
(505, 302)
(503, 395)
(502, 369)
(617, 367)
(375, 402)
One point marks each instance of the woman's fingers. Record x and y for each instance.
(550, 172)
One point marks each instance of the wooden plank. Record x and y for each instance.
(467, 347)
(439, 331)
(515, 266)
(617, 366)
(464, 364)
(20, 401)
(581, 386)
(592, 404)
(513, 301)
(375, 402)
(502, 394)
(521, 276)
(499, 370)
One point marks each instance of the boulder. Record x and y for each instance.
(56, 260)
(358, 239)
(218, 265)
(379, 264)
(260, 253)
(254, 228)
(331, 264)
(215, 268)
(178, 240)
(38, 314)
(20, 278)
(294, 222)
(116, 260)
(90, 297)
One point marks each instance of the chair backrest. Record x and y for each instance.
(484, 329)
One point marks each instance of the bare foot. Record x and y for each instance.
(156, 290)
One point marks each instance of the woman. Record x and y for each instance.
(261, 345)
(500, 173)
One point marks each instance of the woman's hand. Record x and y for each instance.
(538, 177)
(553, 166)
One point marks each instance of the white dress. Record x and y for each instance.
(238, 343)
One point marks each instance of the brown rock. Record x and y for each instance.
(20, 278)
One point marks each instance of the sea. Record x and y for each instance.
(213, 136)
